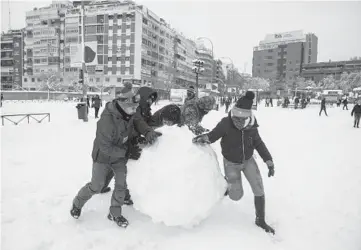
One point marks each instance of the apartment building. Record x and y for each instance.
(12, 56)
(184, 54)
(44, 43)
(207, 76)
(281, 56)
(317, 71)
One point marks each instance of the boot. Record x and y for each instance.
(259, 203)
(128, 199)
(75, 212)
(120, 221)
(105, 190)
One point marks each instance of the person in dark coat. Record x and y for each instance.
(271, 101)
(145, 96)
(356, 112)
(96, 104)
(168, 115)
(323, 106)
(111, 152)
(345, 102)
(297, 101)
(2, 98)
(239, 138)
(227, 103)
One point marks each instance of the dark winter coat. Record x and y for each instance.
(143, 115)
(345, 102)
(97, 103)
(113, 130)
(323, 103)
(157, 118)
(356, 109)
(238, 145)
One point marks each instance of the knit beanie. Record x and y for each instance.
(126, 93)
(244, 105)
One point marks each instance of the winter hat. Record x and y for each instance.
(244, 105)
(126, 94)
(206, 102)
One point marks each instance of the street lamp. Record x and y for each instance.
(197, 68)
(206, 38)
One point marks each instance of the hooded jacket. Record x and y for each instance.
(143, 115)
(113, 129)
(238, 145)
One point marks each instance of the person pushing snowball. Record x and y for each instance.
(239, 137)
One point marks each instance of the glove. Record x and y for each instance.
(151, 136)
(203, 139)
(134, 152)
(141, 140)
(271, 168)
(198, 130)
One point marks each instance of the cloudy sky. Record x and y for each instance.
(235, 27)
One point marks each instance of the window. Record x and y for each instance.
(97, 79)
(119, 79)
(127, 58)
(25, 79)
(270, 50)
(269, 57)
(107, 79)
(269, 64)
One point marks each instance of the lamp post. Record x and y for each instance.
(197, 68)
(83, 66)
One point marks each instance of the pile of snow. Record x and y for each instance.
(175, 181)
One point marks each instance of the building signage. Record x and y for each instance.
(284, 37)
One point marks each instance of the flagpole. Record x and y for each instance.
(83, 55)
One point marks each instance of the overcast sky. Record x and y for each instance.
(236, 27)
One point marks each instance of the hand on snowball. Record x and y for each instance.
(151, 136)
(134, 152)
(271, 168)
(202, 139)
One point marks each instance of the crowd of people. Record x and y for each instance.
(127, 122)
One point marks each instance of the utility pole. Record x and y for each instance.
(83, 66)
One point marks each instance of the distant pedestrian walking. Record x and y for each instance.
(96, 104)
(356, 112)
(323, 106)
(345, 102)
(2, 98)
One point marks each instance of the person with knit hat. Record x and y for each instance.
(111, 151)
(239, 138)
(191, 94)
(192, 113)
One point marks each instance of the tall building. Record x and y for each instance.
(44, 43)
(281, 56)
(12, 56)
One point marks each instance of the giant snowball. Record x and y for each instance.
(175, 181)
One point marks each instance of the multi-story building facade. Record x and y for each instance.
(12, 56)
(281, 56)
(44, 43)
(131, 44)
(184, 54)
(207, 76)
(317, 71)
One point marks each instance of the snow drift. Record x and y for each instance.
(175, 181)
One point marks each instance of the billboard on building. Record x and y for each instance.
(90, 54)
(296, 35)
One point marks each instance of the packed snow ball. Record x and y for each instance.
(175, 181)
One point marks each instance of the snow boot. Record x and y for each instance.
(259, 202)
(75, 212)
(128, 200)
(105, 190)
(120, 221)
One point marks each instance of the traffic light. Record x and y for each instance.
(81, 77)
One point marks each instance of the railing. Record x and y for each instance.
(24, 116)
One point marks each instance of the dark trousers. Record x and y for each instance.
(345, 106)
(108, 179)
(357, 120)
(96, 112)
(324, 109)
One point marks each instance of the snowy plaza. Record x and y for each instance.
(313, 201)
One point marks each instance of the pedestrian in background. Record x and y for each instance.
(323, 106)
(356, 112)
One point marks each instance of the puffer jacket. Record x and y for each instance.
(239, 145)
(113, 129)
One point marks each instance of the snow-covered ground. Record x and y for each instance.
(314, 200)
